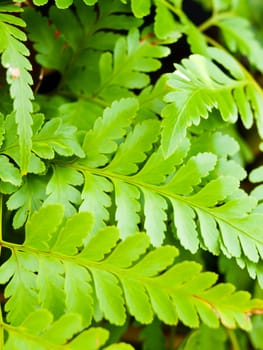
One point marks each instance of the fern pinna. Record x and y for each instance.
(126, 182)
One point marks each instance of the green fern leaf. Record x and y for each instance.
(14, 59)
(63, 4)
(50, 285)
(95, 198)
(127, 211)
(191, 173)
(151, 99)
(186, 230)
(39, 331)
(75, 113)
(143, 135)
(102, 140)
(96, 252)
(35, 238)
(72, 34)
(111, 16)
(91, 33)
(40, 2)
(217, 143)
(239, 36)
(207, 204)
(60, 188)
(21, 290)
(11, 146)
(122, 255)
(77, 289)
(27, 199)
(155, 216)
(145, 285)
(132, 58)
(201, 83)
(157, 167)
(79, 222)
(52, 51)
(8, 172)
(90, 2)
(10, 8)
(195, 38)
(56, 137)
(165, 26)
(141, 8)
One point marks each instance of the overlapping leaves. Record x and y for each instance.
(107, 64)
(199, 86)
(57, 43)
(126, 174)
(39, 332)
(49, 139)
(132, 59)
(208, 209)
(85, 276)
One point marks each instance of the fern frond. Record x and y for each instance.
(39, 331)
(48, 139)
(54, 136)
(75, 113)
(61, 188)
(11, 146)
(102, 29)
(14, 59)
(239, 37)
(208, 208)
(132, 58)
(151, 99)
(134, 279)
(165, 25)
(8, 172)
(200, 85)
(95, 198)
(27, 199)
(90, 33)
(143, 136)
(102, 139)
(52, 51)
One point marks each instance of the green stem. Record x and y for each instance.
(171, 7)
(213, 20)
(233, 340)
